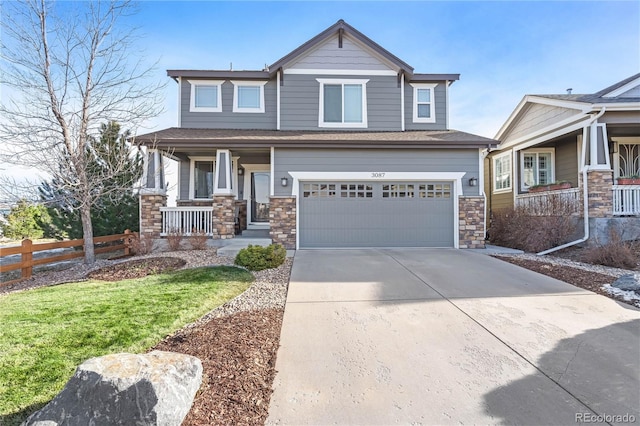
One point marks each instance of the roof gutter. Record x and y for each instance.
(585, 197)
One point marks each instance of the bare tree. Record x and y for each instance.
(69, 68)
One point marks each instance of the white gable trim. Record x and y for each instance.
(317, 71)
(625, 88)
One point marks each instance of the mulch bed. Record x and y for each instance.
(238, 354)
(137, 268)
(587, 280)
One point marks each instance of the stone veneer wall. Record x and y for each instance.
(242, 213)
(600, 187)
(150, 214)
(223, 216)
(471, 227)
(282, 221)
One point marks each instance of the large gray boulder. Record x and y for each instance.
(629, 282)
(125, 389)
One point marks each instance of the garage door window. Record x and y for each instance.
(356, 190)
(315, 190)
(438, 190)
(398, 191)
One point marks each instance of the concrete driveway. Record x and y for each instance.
(437, 336)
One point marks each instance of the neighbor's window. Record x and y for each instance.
(423, 103)
(248, 96)
(502, 172)
(206, 96)
(343, 103)
(536, 168)
(202, 171)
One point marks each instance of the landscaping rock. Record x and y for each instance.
(629, 282)
(125, 389)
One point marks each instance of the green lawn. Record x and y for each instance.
(45, 333)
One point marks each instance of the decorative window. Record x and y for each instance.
(206, 96)
(356, 190)
(343, 103)
(627, 160)
(248, 96)
(536, 167)
(398, 191)
(434, 190)
(317, 190)
(502, 172)
(423, 103)
(201, 177)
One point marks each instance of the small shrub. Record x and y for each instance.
(142, 243)
(174, 239)
(615, 253)
(198, 240)
(518, 228)
(26, 220)
(257, 258)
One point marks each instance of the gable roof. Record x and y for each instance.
(340, 28)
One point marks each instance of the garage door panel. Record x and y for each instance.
(376, 214)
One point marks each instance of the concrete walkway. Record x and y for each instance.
(437, 336)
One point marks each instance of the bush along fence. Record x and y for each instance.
(27, 248)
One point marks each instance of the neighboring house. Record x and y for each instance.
(551, 138)
(338, 144)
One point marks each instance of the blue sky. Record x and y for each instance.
(502, 49)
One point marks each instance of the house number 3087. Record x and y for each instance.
(377, 174)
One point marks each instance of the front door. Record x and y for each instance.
(260, 182)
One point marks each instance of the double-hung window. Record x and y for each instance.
(536, 167)
(502, 172)
(343, 103)
(206, 96)
(248, 96)
(423, 103)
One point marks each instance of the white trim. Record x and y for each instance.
(192, 102)
(342, 82)
(272, 163)
(494, 159)
(278, 77)
(455, 177)
(446, 100)
(548, 133)
(157, 164)
(318, 71)
(217, 190)
(234, 176)
(259, 84)
(402, 112)
(552, 177)
(248, 169)
(192, 164)
(625, 88)
(179, 101)
(481, 157)
(432, 102)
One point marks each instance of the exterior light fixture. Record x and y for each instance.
(240, 171)
(473, 181)
(284, 181)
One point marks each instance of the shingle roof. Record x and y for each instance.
(598, 98)
(184, 137)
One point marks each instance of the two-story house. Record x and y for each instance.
(338, 144)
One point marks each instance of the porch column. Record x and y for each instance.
(153, 195)
(223, 198)
(595, 157)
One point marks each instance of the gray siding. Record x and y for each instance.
(183, 171)
(567, 160)
(376, 160)
(300, 102)
(537, 117)
(329, 56)
(440, 96)
(227, 119)
(621, 117)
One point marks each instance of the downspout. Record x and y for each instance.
(585, 194)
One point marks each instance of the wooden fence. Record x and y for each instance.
(27, 248)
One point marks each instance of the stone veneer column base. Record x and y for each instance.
(150, 214)
(282, 221)
(600, 187)
(223, 220)
(471, 225)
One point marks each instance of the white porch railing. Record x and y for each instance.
(560, 202)
(186, 220)
(626, 200)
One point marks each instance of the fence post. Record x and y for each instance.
(127, 242)
(27, 258)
